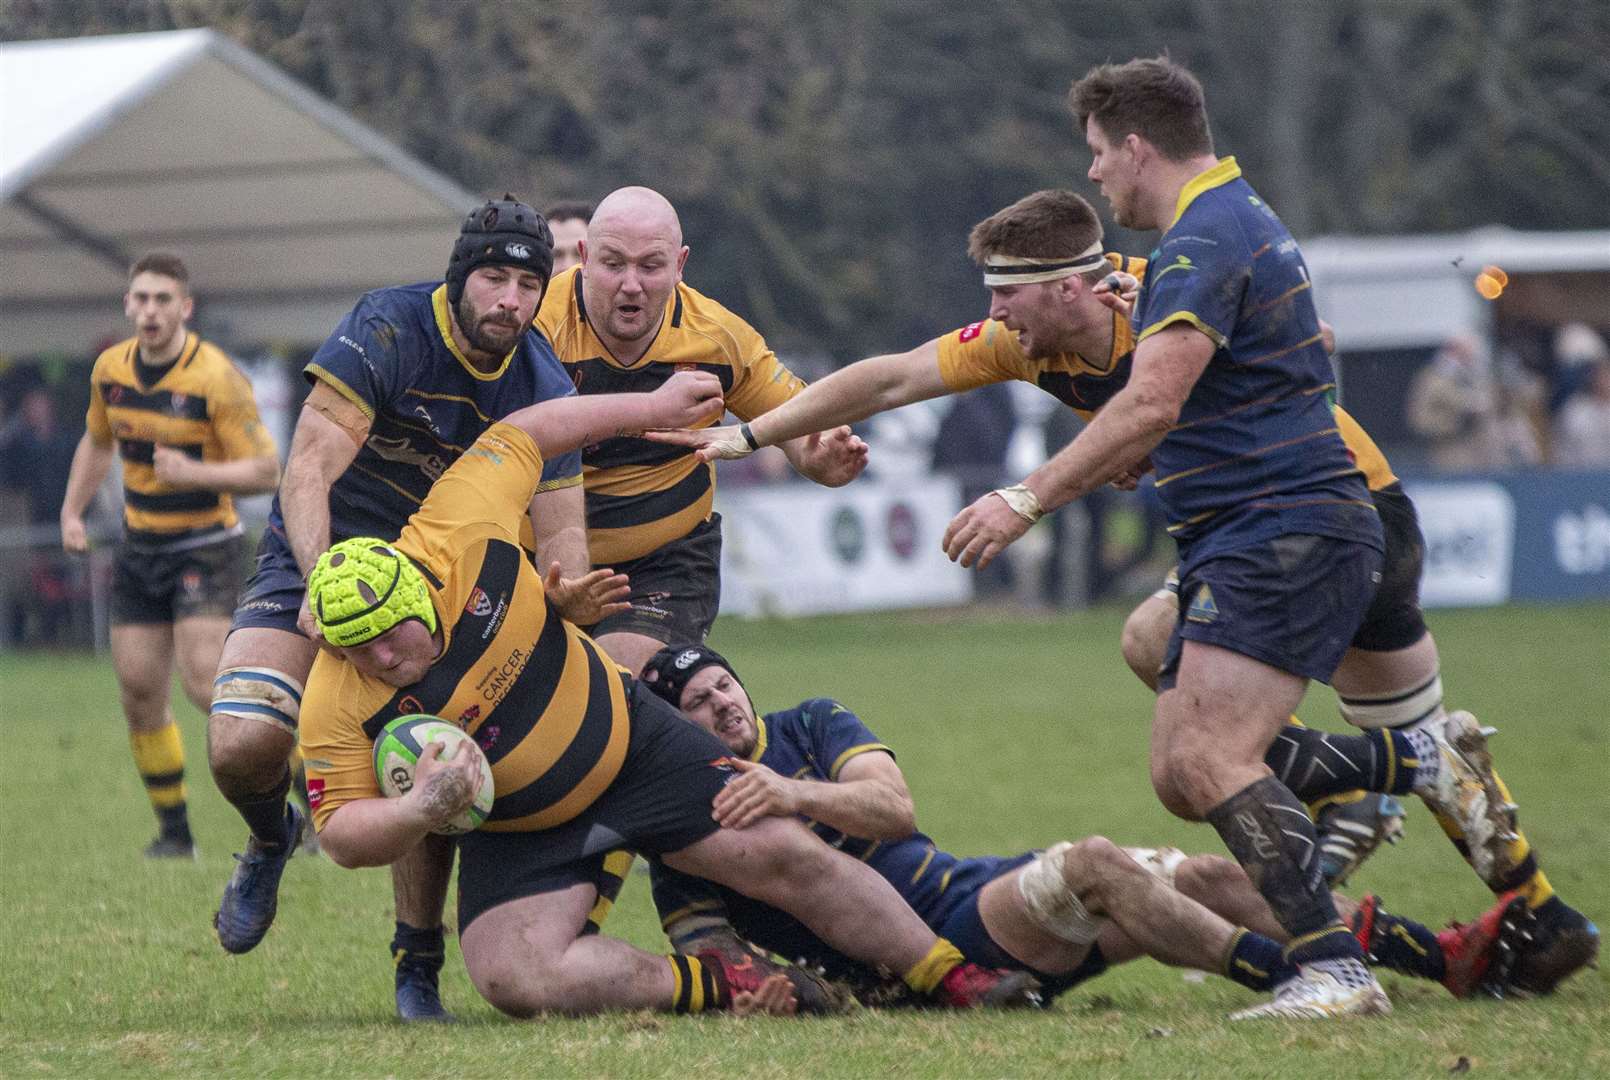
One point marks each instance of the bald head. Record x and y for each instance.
(639, 212)
(630, 264)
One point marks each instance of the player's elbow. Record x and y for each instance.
(347, 847)
(267, 476)
(1154, 411)
(898, 819)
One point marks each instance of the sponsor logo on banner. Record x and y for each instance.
(902, 531)
(1470, 541)
(1582, 540)
(849, 535)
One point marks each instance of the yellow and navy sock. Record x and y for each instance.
(1527, 878)
(695, 986)
(159, 755)
(931, 970)
(1257, 962)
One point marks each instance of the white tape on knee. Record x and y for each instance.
(1162, 863)
(262, 695)
(1394, 710)
(1051, 904)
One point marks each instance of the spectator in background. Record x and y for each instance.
(971, 445)
(1582, 428)
(36, 455)
(1577, 347)
(568, 220)
(1453, 404)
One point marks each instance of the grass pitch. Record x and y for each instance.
(1012, 732)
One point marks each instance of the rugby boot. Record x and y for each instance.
(1318, 994)
(1350, 829)
(968, 986)
(1466, 792)
(1564, 941)
(252, 895)
(418, 998)
(171, 847)
(746, 971)
(1481, 956)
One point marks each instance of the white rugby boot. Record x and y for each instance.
(1317, 994)
(1466, 792)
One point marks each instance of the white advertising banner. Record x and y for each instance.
(800, 549)
(1470, 541)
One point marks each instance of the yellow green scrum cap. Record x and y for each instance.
(362, 587)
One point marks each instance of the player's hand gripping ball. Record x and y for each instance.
(397, 753)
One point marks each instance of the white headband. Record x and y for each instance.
(1018, 270)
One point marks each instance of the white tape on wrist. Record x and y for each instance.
(1022, 501)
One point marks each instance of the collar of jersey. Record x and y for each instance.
(1222, 173)
(760, 738)
(444, 326)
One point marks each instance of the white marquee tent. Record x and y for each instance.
(284, 207)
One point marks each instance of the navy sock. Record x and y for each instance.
(265, 814)
(1270, 834)
(1314, 764)
(1257, 962)
(1407, 946)
(418, 948)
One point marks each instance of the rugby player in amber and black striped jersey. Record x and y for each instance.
(450, 619)
(625, 321)
(182, 419)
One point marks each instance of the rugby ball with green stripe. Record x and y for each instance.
(397, 753)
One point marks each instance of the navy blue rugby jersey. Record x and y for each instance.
(812, 741)
(1256, 452)
(393, 357)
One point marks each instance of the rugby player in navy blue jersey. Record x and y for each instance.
(406, 382)
(1280, 545)
(1063, 914)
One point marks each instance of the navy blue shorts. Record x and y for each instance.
(960, 924)
(1294, 603)
(273, 594)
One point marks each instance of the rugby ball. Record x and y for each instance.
(397, 752)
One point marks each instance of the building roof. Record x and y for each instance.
(284, 207)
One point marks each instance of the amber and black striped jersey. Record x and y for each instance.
(201, 405)
(1366, 455)
(547, 706)
(987, 352)
(640, 494)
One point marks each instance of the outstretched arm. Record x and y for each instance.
(864, 388)
(564, 424)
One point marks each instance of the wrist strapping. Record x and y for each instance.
(1022, 501)
(749, 436)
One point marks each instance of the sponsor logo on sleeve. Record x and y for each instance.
(969, 332)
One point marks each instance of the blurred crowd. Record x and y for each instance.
(1477, 410)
